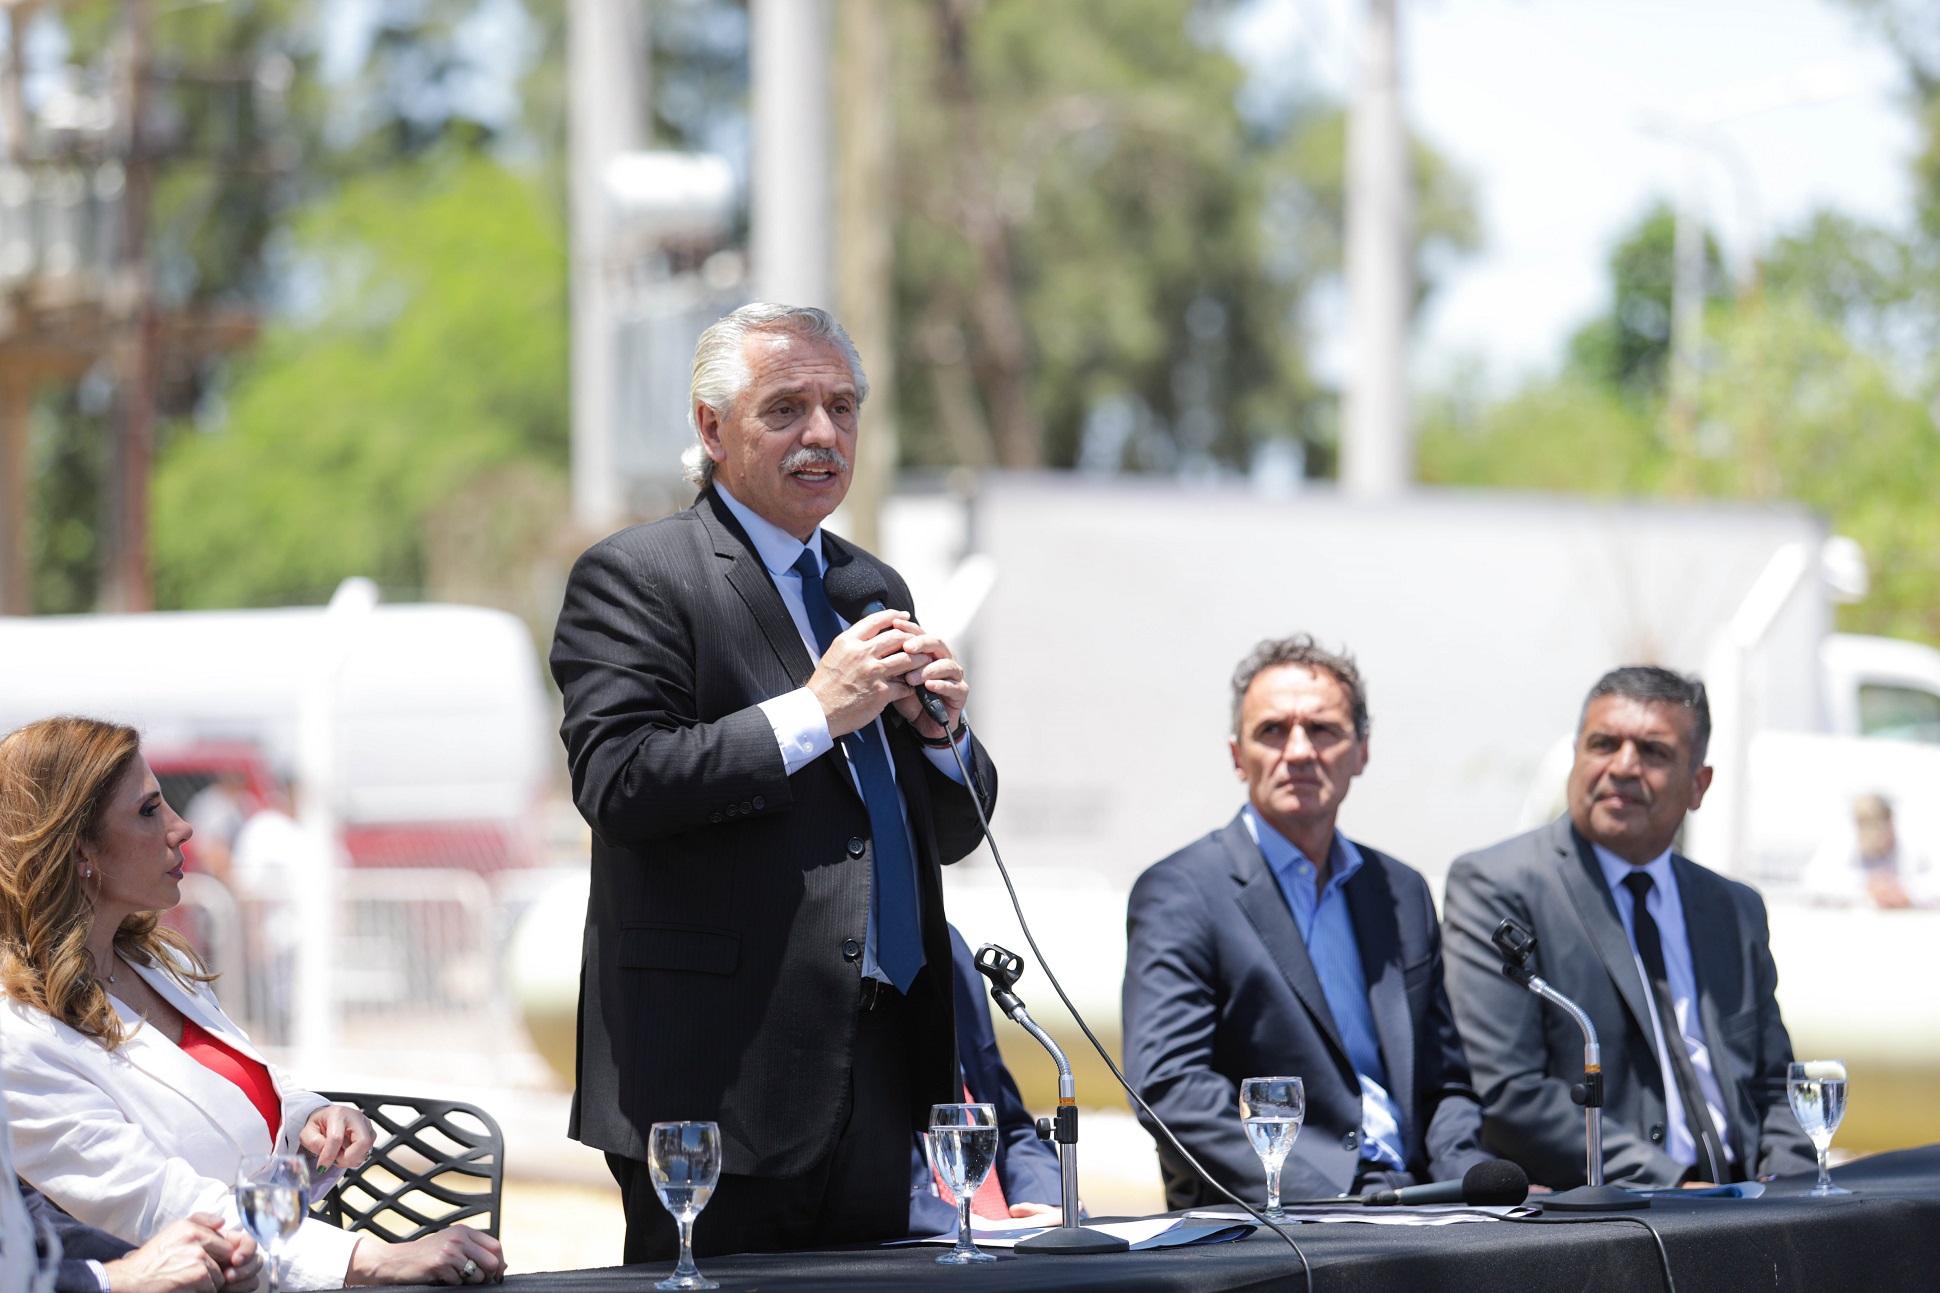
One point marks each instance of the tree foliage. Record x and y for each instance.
(434, 354)
(1098, 257)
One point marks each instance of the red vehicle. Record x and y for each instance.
(186, 770)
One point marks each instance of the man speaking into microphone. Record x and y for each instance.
(765, 942)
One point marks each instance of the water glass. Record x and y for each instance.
(1272, 1109)
(963, 1146)
(272, 1198)
(1817, 1089)
(684, 1159)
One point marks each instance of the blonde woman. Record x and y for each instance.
(133, 1096)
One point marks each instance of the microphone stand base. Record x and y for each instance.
(1072, 1241)
(1591, 1198)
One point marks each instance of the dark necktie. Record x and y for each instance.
(899, 920)
(1650, 950)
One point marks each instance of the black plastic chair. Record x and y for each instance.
(435, 1163)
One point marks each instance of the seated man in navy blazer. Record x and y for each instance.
(1276, 946)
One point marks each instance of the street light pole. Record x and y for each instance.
(1377, 448)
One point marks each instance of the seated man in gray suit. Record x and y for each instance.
(1651, 944)
(1276, 946)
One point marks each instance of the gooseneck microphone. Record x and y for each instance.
(1496, 1183)
(857, 589)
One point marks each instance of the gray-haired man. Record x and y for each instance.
(765, 944)
(1670, 961)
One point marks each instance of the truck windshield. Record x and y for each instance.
(1899, 713)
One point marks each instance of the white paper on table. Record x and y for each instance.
(1427, 1214)
(1004, 1233)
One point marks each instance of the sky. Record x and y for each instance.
(1546, 105)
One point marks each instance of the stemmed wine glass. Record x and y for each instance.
(1817, 1089)
(963, 1145)
(1272, 1109)
(272, 1197)
(684, 1159)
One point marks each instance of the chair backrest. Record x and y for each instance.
(435, 1163)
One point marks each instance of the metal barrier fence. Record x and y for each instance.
(417, 980)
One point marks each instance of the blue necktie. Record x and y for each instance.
(899, 921)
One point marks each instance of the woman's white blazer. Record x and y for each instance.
(132, 1139)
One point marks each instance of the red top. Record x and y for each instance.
(224, 1060)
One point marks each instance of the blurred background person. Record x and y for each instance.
(1026, 1181)
(132, 1096)
(1864, 860)
(216, 814)
(1671, 961)
(271, 853)
(1276, 945)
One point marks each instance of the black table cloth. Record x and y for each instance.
(1884, 1237)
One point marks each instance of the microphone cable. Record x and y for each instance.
(974, 783)
(1663, 1256)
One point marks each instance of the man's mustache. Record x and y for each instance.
(806, 457)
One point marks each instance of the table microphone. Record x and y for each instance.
(1493, 1183)
(857, 589)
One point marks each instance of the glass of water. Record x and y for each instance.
(963, 1145)
(1818, 1092)
(684, 1159)
(272, 1197)
(1272, 1109)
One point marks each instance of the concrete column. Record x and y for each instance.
(865, 250)
(793, 180)
(1377, 441)
(606, 94)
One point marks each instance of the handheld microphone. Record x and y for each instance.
(1497, 1183)
(857, 589)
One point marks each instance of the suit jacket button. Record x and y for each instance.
(730, 810)
(851, 950)
(716, 819)
(758, 802)
(1657, 1131)
(747, 806)
(855, 846)
(1351, 1141)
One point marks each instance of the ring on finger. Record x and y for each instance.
(471, 1269)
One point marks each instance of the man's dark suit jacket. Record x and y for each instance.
(1027, 1168)
(80, 1243)
(1527, 1053)
(721, 967)
(1219, 988)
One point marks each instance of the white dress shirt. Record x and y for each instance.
(1666, 907)
(801, 728)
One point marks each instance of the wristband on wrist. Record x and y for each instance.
(943, 742)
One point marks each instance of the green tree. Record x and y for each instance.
(1088, 225)
(1803, 396)
(1629, 349)
(433, 359)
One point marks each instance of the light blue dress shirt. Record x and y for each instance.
(1327, 928)
(801, 729)
(1666, 906)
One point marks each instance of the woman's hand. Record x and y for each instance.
(339, 1136)
(458, 1255)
